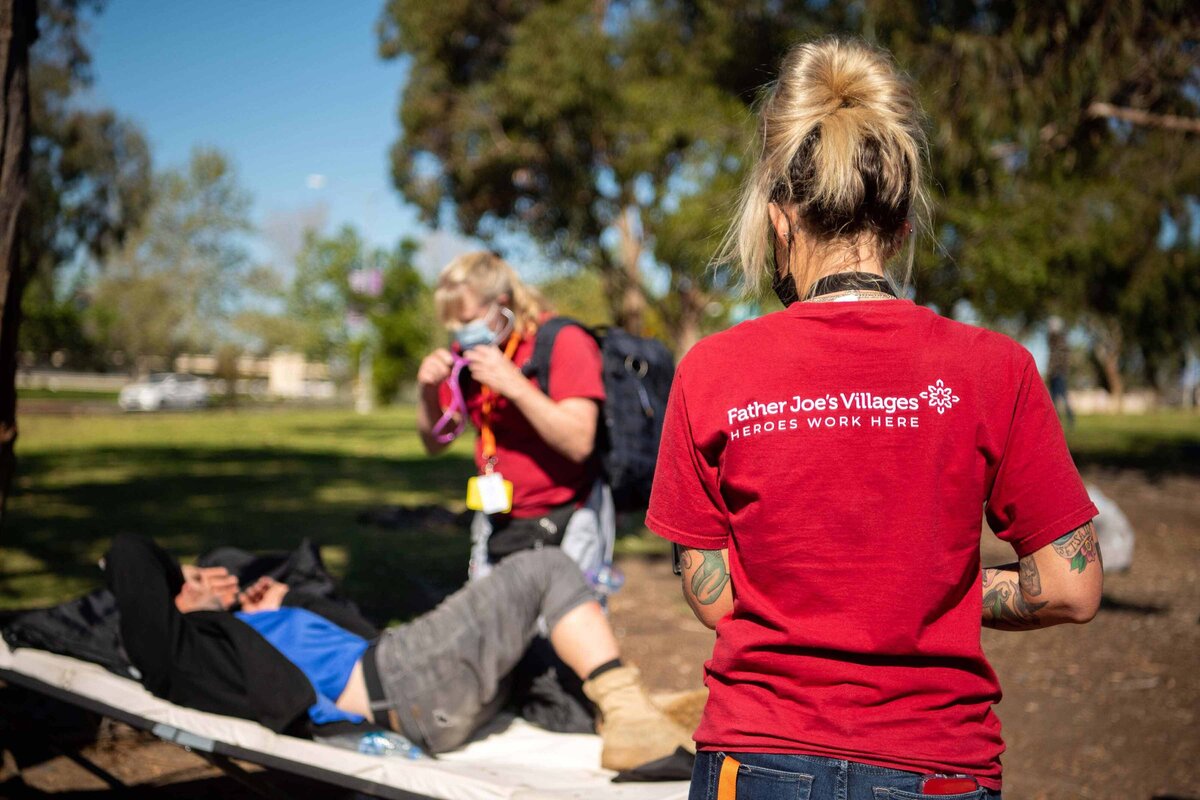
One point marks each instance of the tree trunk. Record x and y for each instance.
(691, 308)
(632, 311)
(1107, 345)
(18, 29)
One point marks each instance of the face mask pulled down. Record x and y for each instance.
(480, 331)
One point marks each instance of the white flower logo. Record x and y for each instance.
(940, 396)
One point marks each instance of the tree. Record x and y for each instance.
(580, 124)
(175, 283)
(609, 132)
(90, 180)
(1062, 145)
(18, 30)
(389, 315)
(404, 322)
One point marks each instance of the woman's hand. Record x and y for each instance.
(492, 368)
(265, 594)
(435, 368)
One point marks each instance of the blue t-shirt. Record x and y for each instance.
(326, 653)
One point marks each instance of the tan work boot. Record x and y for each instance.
(634, 730)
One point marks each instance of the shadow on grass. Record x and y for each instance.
(1157, 455)
(69, 506)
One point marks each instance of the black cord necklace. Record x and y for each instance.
(851, 282)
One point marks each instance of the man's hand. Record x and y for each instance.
(206, 589)
(265, 594)
(492, 368)
(435, 368)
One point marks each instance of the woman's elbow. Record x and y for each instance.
(1079, 604)
(580, 447)
(707, 618)
(1083, 607)
(578, 455)
(709, 615)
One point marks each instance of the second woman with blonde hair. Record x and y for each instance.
(538, 480)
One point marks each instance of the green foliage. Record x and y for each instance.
(397, 325)
(89, 182)
(319, 298)
(404, 323)
(574, 295)
(569, 121)
(1052, 206)
(175, 282)
(611, 131)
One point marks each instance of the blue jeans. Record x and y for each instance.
(768, 776)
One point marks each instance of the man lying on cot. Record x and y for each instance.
(288, 657)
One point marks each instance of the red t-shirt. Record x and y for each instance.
(844, 454)
(542, 477)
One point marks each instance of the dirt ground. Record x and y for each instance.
(1107, 710)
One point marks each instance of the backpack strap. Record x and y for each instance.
(538, 365)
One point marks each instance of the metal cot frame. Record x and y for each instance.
(219, 754)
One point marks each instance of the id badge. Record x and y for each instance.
(490, 494)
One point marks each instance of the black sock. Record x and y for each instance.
(603, 668)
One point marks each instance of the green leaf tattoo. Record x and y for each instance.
(710, 578)
(1079, 547)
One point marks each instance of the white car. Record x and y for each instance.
(165, 390)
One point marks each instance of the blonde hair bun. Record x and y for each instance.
(840, 136)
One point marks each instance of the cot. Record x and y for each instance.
(508, 760)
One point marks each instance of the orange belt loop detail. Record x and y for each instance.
(486, 436)
(727, 783)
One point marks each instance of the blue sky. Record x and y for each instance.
(288, 90)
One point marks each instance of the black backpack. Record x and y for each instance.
(637, 382)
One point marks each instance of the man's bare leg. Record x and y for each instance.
(584, 640)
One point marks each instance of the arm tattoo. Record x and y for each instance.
(1031, 581)
(1079, 547)
(710, 578)
(1004, 606)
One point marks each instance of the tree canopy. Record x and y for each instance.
(90, 177)
(1063, 147)
(176, 281)
(387, 318)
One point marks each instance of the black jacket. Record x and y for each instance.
(209, 660)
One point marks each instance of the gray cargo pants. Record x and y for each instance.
(443, 673)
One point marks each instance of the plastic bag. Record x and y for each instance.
(1113, 531)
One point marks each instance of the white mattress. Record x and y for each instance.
(508, 759)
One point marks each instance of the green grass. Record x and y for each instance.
(66, 394)
(264, 479)
(1159, 443)
(257, 480)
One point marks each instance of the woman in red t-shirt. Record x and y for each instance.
(823, 470)
(538, 475)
